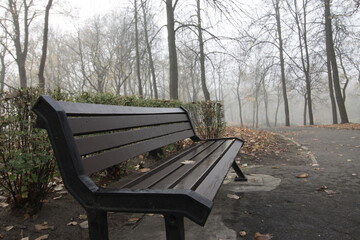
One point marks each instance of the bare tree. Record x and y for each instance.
(19, 11)
(174, 78)
(44, 47)
(202, 54)
(138, 72)
(149, 50)
(276, 4)
(330, 50)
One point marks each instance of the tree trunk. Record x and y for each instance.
(331, 90)
(239, 98)
(346, 76)
(282, 64)
(277, 107)
(305, 105)
(44, 47)
(137, 51)
(331, 53)
(174, 81)
(305, 60)
(151, 61)
(21, 48)
(202, 55)
(266, 104)
(3, 70)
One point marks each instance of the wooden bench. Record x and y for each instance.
(87, 138)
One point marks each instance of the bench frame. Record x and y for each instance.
(173, 203)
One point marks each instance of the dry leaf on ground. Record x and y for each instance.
(143, 170)
(73, 223)
(330, 192)
(259, 236)
(8, 228)
(233, 196)
(84, 225)
(43, 237)
(4, 205)
(322, 188)
(44, 226)
(303, 175)
(83, 216)
(242, 233)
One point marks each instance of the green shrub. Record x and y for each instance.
(26, 159)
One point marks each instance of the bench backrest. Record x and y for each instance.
(87, 138)
(106, 135)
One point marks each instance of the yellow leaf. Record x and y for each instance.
(304, 175)
(259, 236)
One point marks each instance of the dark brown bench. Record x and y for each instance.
(87, 138)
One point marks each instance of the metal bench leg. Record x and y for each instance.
(174, 224)
(241, 176)
(98, 227)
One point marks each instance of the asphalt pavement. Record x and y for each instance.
(310, 191)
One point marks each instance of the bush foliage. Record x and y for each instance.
(26, 159)
(27, 162)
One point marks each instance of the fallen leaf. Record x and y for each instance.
(83, 216)
(259, 236)
(329, 192)
(57, 197)
(275, 167)
(303, 175)
(242, 233)
(317, 169)
(150, 214)
(233, 196)
(322, 188)
(354, 174)
(43, 237)
(73, 223)
(134, 219)
(9, 228)
(349, 160)
(188, 162)
(143, 170)
(84, 225)
(4, 205)
(40, 227)
(59, 187)
(25, 238)
(26, 216)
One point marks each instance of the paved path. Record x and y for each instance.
(325, 205)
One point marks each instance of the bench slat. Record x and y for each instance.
(107, 159)
(85, 125)
(98, 143)
(198, 174)
(173, 165)
(174, 177)
(76, 109)
(211, 184)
